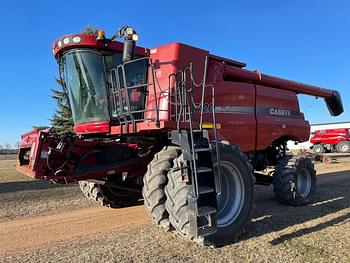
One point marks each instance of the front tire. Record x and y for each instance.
(154, 182)
(235, 204)
(295, 181)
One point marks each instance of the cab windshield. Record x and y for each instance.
(85, 81)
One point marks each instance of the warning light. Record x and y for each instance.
(100, 35)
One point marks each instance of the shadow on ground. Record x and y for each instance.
(21, 187)
(331, 197)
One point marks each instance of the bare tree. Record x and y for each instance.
(7, 146)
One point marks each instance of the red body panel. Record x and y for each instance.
(167, 60)
(234, 105)
(278, 116)
(92, 127)
(330, 136)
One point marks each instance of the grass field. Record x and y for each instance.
(8, 156)
(319, 232)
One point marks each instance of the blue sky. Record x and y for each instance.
(308, 41)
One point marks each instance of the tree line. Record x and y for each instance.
(8, 148)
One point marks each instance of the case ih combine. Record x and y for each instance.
(191, 131)
(331, 140)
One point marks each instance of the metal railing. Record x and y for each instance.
(183, 108)
(123, 108)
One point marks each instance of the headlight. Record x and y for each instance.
(59, 44)
(76, 39)
(135, 37)
(66, 40)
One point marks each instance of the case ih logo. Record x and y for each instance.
(280, 112)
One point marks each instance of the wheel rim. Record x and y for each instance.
(344, 147)
(317, 149)
(231, 199)
(304, 183)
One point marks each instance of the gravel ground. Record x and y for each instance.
(319, 232)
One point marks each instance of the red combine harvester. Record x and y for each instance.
(192, 131)
(331, 140)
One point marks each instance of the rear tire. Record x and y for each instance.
(234, 207)
(295, 181)
(318, 148)
(154, 182)
(343, 147)
(107, 196)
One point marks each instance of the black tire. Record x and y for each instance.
(343, 147)
(318, 148)
(177, 204)
(107, 196)
(295, 181)
(154, 182)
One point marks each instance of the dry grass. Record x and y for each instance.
(319, 232)
(21, 196)
(8, 173)
(8, 156)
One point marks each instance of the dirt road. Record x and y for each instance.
(27, 233)
(92, 233)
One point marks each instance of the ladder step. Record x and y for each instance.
(206, 210)
(201, 150)
(205, 190)
(204, 169)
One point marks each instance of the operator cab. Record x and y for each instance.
(103, 86)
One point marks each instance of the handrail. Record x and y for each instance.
(120, 90)
(182, 98)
